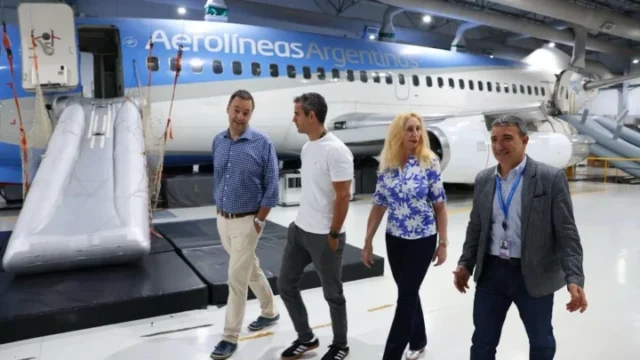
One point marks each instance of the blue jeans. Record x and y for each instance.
(500, 284)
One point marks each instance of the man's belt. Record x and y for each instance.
(510, 261)
(226, 215)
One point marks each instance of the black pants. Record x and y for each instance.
(409, 261)
(501, 284)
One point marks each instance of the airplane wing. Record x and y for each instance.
(369, 129)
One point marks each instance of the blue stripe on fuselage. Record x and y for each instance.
(209, 41)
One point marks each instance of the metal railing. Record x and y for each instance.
(602, 169)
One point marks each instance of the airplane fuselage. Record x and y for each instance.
(360, 80)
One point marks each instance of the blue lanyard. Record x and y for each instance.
(503, 206)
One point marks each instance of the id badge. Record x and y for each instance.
(504, 249)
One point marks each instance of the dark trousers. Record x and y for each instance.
(500, 284)
(409, 261)
(302, 249)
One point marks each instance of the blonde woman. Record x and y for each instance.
(410, 186)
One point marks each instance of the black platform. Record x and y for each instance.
(199, 244)
(45, 304)
(186, 269)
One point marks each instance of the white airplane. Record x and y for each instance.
(366, 83)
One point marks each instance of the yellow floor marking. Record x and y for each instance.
(322, 326)
(379, 308)
(256, 336)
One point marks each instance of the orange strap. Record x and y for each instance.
(168, 129)
(7, 46)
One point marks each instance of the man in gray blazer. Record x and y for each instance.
(523, 242)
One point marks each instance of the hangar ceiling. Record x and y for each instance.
(612, 27)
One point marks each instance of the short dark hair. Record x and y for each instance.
(313, 102)
(512, 120)
(244, 95)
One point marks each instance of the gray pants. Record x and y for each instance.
(302, 249)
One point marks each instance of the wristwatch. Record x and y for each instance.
(444, 242)
(259, 222)
(334, 234)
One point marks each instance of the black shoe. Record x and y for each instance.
(223, 350)
(262, 322)
(298, 348)
(336, 353)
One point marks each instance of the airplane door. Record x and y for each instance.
(402, 87)
(87, 74)
(561, 91)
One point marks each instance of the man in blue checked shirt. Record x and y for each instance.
(245, 189)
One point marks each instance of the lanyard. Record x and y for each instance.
(503, 206)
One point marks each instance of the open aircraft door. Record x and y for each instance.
(561, 98)
(48, 47)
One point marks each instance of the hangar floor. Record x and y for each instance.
(610, 329)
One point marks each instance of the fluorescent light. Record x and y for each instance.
(635, 61)
(182, 10)
(426, 18)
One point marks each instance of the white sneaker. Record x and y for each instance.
(414, 354)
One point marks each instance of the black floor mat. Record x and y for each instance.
(4, 240)
(159, 244)
(44, 304)
(199, 244)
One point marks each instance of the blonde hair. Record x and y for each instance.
(393, 151)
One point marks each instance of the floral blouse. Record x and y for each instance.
(408, 195)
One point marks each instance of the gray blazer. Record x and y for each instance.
(551, 249)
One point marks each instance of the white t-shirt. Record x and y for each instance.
(324, 161)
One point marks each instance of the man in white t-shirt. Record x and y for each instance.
(317, 235)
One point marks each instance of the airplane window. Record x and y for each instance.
(172, 64)
(440, 82)
(529, 89)
(152, 63)
(506, 88)
(306, 72)
(321, 73)
(521, 89)
(542, 90)
(237, 67)
(515, 88)
(461, 84)
(429, 81)
(196, 66)
(350, 76)
(291, 71)
(217, 67)
(498, 87)
(376, 77)
(255, 69)
(470, 84)
(416, 80)
(273, 70)
(536, 90)
(401, 79)
(451, 83)
(363, 76)
(389, 78)
(335, 74)
(480, 85)
(489, 86)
